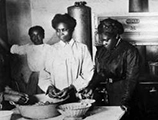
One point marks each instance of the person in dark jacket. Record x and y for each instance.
(117, 63)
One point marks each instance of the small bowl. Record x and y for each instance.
(5, 114)
(73, 110)
(88, 101)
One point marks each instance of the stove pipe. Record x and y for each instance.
(138, 6)
(82, 14)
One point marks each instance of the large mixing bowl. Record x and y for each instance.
(38, 111)
(44, 107)
(5, 114)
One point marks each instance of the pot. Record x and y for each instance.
(153, 68)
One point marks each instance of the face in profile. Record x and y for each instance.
(109, 41)
(36, 37)
(63, 32)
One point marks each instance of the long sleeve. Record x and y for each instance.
(45, 79)
(69, 64)
(132, 74)
(87, 71)
(16, 49)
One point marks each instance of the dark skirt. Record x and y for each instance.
(32, 87)
(115, 92)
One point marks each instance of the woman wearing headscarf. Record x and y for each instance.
(117, 63)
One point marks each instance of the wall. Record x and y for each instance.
(43, 11)
(22, 14)
(18, 15)
(3, 30)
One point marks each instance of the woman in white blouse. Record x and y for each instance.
(36, 54)
(68, 62)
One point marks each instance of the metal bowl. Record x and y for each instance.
(43, 107)
(5, 114)
(38, 111)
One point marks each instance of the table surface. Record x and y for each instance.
(98, 113)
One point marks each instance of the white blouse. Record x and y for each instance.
(68, 64)
(35, 54)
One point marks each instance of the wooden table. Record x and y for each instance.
(98, 113)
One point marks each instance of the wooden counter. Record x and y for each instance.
(98, 113)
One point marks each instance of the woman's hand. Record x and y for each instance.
(87, 93)
(16, 98)
(52, 91)
(66, 92)
(125, 104)
(10, 91)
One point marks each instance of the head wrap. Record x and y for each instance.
(110, 26)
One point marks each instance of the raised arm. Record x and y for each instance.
(16, 49)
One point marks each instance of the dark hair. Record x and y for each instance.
(110, 26)
(38, 28)
(64, 18)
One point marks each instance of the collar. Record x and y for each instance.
(118, 42)
(71, 42)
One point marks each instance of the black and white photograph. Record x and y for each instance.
(78, 60)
